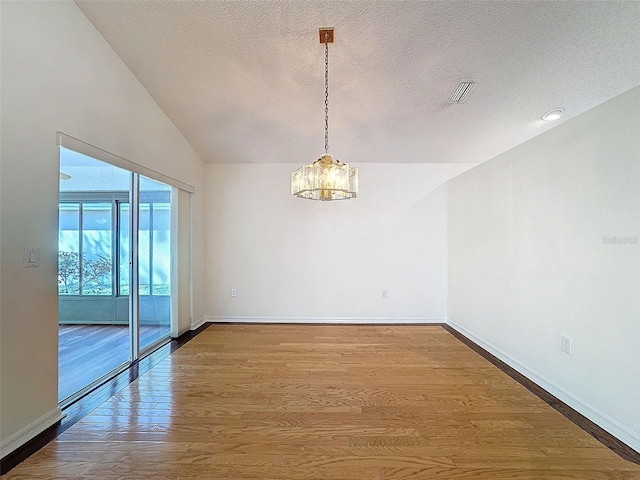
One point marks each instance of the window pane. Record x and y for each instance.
(144, 252)
(161, 274)
(155, 263)
(69, 249)
(96, 249)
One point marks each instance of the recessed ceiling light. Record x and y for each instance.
(552, 115)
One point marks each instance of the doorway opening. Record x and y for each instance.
(115, 287)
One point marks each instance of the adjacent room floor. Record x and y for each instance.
(87, 352)
(325, 402)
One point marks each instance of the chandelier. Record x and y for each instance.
(327, 178)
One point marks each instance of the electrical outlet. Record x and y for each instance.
(234, 292)
(565, 345)
(384, 294)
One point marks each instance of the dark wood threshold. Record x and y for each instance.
(597, 432)
(336, 324)
(81, 407)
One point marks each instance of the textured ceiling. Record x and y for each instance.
(243, 80)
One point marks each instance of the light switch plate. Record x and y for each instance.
(31, 257)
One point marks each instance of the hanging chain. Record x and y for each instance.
(326, 93)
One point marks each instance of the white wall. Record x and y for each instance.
(529, 261)
(298, 260)
(58, 74)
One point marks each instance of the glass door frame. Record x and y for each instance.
(134, 274)
(107, 313)
(135, 171)
(139, 346)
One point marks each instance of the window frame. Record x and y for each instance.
(115, 199)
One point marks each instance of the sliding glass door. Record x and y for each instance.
(154, 261)
(93, 308)
(114, 285)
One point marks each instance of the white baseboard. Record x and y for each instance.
(328, 320)
(25, 434)
(598, 417)
(199, 323)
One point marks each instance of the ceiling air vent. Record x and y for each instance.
(462, 91)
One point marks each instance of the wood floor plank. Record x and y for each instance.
(212, 471)
(241, 459)
(501, 474)
(385, 451)
(325, 402)
(497, 441)
(358, 461)
(55, 469)
(543, 463)
(577, 452)
(160, 448)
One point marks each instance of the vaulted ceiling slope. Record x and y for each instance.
(243, 80)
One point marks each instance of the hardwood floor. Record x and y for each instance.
(87, 352)
(325, 402)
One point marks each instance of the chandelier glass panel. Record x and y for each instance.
(327, 178)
